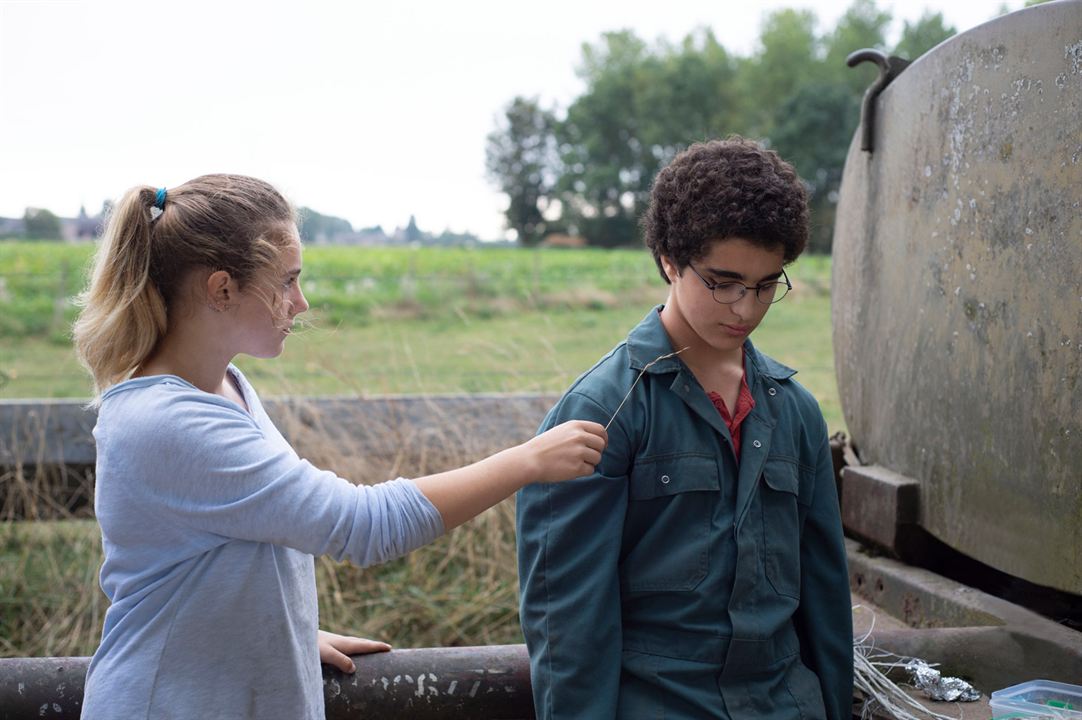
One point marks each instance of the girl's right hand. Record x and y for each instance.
(566, 451)
(569, 450)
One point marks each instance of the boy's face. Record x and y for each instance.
(723, 327)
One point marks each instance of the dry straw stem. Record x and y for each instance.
(658, 359)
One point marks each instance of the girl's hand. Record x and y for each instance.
(336, 649)
(566, 451)
(569, 450)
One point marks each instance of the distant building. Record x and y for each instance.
(83, 227)
(12, 227)
(86, 227)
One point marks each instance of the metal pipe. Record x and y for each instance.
(480, 683)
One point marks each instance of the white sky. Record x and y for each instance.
(365, 110)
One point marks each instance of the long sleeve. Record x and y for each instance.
(569, 537)
(204, 465)
(824, 620)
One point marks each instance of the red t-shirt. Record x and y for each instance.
(744, 404)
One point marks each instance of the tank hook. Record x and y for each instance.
(889, 68)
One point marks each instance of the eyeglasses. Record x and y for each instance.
(730, 291)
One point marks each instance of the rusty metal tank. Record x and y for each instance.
(957, 291)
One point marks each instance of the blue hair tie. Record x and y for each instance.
(159, 199)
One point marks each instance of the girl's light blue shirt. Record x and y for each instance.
(209, 524)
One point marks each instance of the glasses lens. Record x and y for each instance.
(728, 292)
(772, 292)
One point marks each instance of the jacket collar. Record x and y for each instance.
(648, 340)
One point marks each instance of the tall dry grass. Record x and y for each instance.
(461, 590)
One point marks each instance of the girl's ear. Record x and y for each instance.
(220, 290)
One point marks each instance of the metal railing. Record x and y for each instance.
(479, 683)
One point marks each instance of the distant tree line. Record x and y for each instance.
(41, 224)
(315, 228)
(320, 229)
(587, 169)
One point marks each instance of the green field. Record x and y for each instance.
(397, 320)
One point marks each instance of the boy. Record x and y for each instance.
(700, 571)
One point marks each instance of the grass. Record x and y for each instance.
(384, 321)
(392, 320)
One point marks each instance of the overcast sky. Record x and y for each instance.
(366, 110)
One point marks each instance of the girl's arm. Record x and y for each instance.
(567, 451)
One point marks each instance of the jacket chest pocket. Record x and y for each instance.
(780, 503)
(667, 528)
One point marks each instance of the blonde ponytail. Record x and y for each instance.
(229, 222)
(124, 315)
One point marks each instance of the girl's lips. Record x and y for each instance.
(736, 330)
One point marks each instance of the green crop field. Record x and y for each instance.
(401, 320)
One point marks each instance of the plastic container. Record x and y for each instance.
(1038, 699)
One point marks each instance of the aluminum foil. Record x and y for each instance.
(936, 687)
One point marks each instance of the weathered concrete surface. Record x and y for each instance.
(958, 291)
(872, 626)
(991, 642)
(59, 431)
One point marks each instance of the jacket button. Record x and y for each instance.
(665, 479)
(756, 443)
(772, 392)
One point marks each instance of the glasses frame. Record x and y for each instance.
(714, 286)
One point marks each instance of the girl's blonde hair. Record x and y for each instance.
(218, 222)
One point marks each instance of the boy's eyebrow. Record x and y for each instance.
(716, 272)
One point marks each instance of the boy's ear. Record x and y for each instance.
(669, 267)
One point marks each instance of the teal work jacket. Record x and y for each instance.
(675, 582)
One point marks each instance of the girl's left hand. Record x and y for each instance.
(336, 649)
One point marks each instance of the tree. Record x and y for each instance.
(413, 233)
(318, 228)
(789, 56)
(519, 157)
(923, 35)
(684, 94)
(641, 106)
(814, 130)
(863, 25)
(41, 224)
(601, 174)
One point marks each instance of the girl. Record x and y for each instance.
(209, 519)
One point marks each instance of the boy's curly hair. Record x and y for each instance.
(732, 188)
